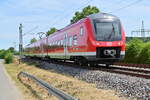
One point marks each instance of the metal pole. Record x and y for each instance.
(14, 45)
(142, 32)
(20, 42)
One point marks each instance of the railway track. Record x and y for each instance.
(128, 71)
(133, 65)
(131, 71)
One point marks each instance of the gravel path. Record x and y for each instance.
(7, 89)
(131, 87)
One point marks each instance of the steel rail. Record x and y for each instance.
(51, 90)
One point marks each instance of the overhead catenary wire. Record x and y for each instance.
(66, 15)
(121, 8)
(54, 23)
(127, 6)
(116, 2)
(29, 32)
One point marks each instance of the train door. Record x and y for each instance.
(65, 45)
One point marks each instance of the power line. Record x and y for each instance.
(127, 6)
(140, 32)
(57, 20)
(66, 15)
(116, 2)
(29, 32)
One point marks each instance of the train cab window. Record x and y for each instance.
(81, 30)
(70, 41)
(75, 40)
(107, 30)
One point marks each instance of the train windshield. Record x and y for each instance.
(107, 31)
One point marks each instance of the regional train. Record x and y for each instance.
(97, 39)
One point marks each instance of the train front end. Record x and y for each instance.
(108, 38)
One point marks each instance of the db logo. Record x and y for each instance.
(109, 43)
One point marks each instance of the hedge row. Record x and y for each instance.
(137, 52)
(7, 56)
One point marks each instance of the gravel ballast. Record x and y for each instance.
(127, 86)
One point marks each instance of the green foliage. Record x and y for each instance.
(137, 52)
(51, 31)
(85, 12)
(33, 40)
(2, 54)
(11, 49)
(133, 50)
(144, 39)
(16, 53)
(144, 56)
(8, 57)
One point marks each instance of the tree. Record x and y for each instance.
(51, 31)
(85, 12)
(12, 49)
(33, 40)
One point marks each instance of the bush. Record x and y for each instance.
(133, 50)
(8, 57)
(2, 54)
(144, 56)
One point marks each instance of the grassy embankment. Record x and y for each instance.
(70, 85)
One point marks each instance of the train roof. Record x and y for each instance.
(102, 15)
(92, 16)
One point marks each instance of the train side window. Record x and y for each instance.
(61, 42)
(75, 40)
(58, 43)
(70, 41)
(81, 30)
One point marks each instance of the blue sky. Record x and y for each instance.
(57, 13)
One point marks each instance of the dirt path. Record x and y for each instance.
(7, 89)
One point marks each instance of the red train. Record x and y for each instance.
(96, 39)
